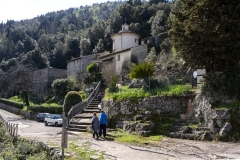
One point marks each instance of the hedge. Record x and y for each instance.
(47, 109)
(12, 103)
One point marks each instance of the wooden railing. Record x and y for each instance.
(78, 108)
(11, 127)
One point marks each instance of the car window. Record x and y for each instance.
(58, 116)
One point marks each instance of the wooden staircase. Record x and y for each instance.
(81, 121)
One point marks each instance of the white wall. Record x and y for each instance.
(124, 40)
(124, 56)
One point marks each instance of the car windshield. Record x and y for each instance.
(58, 116)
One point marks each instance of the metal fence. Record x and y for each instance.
(11, 127)
(78, 108)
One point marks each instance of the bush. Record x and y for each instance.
(11, 103)
(223, 84)
(70, 100)
(47, 109)
(62, 86)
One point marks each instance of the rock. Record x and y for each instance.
(129, 126)
(137, 83)
(220, 114)
(226, 128)
(144, 129)
(147, 112)
(94, 157)
(138, 117)
(119, 124)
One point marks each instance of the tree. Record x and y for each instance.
(36, 59)
(207, 33)
(62, 86)
(143, 70)
(85, 46)
(94, 72)
(21, 78)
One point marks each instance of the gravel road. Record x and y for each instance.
(171, 149)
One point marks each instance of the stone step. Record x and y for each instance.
(83, 116)
(77, 129)
(81, 122)
(182, 135)
(78, 126)
(90, 110)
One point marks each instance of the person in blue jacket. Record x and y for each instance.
(103, 123)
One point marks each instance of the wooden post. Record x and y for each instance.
(63, 131)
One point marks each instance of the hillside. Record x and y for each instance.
(54, 38)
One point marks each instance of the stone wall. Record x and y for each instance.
(43, 79)
(216, 119)
(156, 104)
(28, 115)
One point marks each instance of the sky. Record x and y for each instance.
(27, 9)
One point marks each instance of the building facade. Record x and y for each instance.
(126, 49)
(79, 65)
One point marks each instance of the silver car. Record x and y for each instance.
(53, 119)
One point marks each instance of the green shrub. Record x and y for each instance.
(222, 83)
(47, 109)
(98, 76)
(70, 100)
(11, 103)
(62, 86)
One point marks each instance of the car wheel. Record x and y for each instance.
(56, 124)
(46, 124)
(38, 120)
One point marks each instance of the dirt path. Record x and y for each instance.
(172, 149)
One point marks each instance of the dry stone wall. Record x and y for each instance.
(156, 104)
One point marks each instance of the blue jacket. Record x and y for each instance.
(103, 118)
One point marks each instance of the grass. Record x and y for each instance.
(194, 126)
(16, 99)
(125, 92)
(83, 152)
(122, 136)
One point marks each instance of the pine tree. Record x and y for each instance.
(207, 33)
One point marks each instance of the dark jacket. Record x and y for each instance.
(95, 122)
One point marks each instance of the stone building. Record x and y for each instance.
(79, 65)
(125, 49)
(43, 79)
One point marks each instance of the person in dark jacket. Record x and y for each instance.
(95, 125)
(99, 97)
(103, 124)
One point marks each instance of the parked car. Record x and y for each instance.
(41, 116)
(54, 119)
